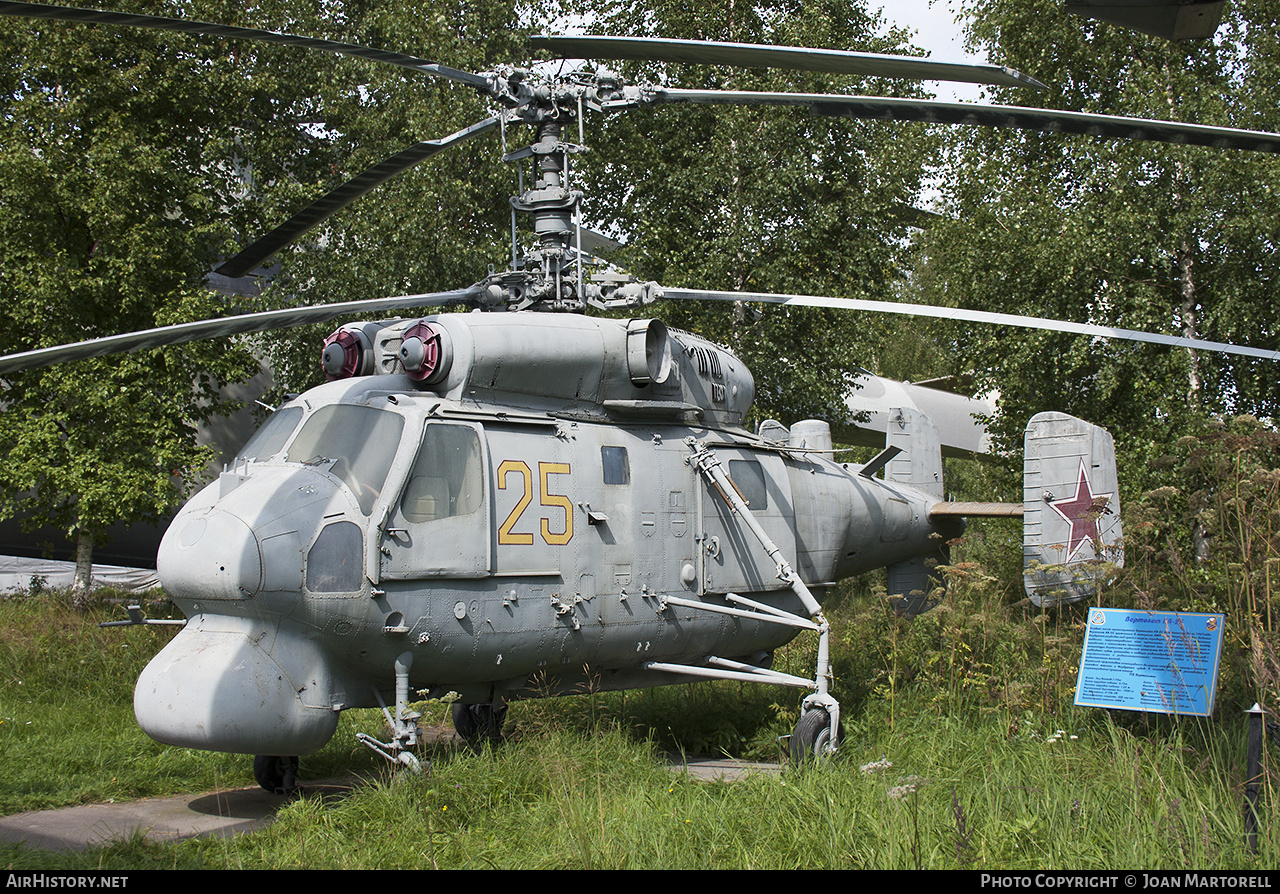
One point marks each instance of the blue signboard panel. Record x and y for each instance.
(1150, 661)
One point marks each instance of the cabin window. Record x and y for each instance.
(354, 443)
(269, 439)
(617, 468)
(748, 475)
(447, 478)
(335, 562)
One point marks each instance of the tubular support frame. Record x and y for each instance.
(746, 674)
(785, 618)
(706, 462)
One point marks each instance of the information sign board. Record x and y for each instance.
(1150, 661)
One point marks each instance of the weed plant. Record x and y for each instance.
(1207, 538)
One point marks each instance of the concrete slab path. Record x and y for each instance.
(231, 812)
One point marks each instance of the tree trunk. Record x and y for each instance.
(1183, 261)
(84, 567)
(1187, 291)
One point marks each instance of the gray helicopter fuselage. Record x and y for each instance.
(515, 530)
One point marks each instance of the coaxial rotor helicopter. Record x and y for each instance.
(505, 505)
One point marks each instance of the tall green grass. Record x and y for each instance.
(964, 776)
(933, 793)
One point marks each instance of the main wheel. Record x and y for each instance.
(477, 724)
(812, 737)
(278, 775)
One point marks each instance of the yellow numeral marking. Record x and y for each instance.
(505, 534)
(545, 470)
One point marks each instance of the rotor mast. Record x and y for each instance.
(551, 276)
(554, 207)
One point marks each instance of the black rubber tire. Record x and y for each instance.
(477, 724)
(278, 775)
(810, 736)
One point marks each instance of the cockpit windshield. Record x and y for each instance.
(355, 443)
(269, 440)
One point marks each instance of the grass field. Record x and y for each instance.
(963, 750)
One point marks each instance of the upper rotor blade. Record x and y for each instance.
(744, 55)
(938, 112)
(331, 203)
(103, 17)
(181, 333)
(596, 244)
(973, 316)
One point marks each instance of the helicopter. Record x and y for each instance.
(530, 501)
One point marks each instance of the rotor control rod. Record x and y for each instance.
(706, 462)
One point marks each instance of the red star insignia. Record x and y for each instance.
(1081, 512)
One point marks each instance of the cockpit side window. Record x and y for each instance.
(356, 443)
(269, 440)
(447, 478)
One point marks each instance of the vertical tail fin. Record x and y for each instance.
(1071, 540)
(911, 582)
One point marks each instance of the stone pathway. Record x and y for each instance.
(230, 812)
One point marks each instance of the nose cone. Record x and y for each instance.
(210, 554)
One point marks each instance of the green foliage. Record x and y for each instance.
(770, 200)
(437, 227)
(1162, 238)
(123, 183)
(1209, 540)
(132, 161)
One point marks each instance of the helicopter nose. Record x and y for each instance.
(210, 555)
(238, 685)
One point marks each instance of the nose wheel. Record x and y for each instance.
(278, 775)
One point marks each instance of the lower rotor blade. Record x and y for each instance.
(1018, 117)
(164, 336)
(333, 202)
(973, 316)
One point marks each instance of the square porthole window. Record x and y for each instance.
(748, 475)
(617, 469)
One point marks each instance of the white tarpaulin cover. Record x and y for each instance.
(16, 574)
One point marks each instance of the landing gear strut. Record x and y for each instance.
(819, 732)
(405, 732)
